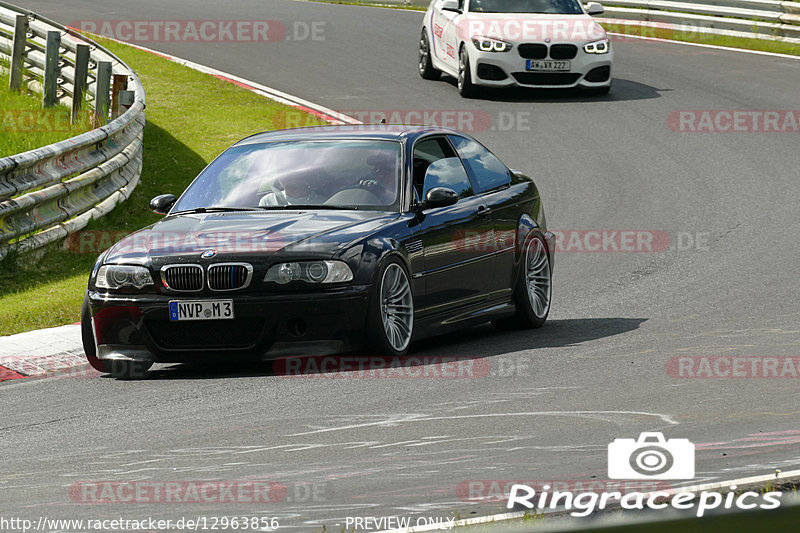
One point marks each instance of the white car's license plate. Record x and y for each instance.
(547, 65)
(180, 310)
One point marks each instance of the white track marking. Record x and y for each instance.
(422, 418)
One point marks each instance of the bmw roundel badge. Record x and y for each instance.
(208, 254)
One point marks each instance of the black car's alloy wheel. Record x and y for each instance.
(533, 288)
(391, 314)
(426, 68)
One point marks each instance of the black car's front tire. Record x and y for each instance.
(533, 288)
(390, 320)
(87, 336)
(117, 369)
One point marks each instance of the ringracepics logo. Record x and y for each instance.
(651, 457)
(585, 503)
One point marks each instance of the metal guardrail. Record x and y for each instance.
(49, 192)
(760, 19)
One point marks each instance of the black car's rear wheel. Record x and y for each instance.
(533, 288)
(391, 314)
(426, 68)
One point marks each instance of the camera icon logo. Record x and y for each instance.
(651, 457)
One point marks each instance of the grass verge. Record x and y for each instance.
(761, 45)
(24, 125)
(191, 117)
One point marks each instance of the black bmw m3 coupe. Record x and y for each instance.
(325, 239)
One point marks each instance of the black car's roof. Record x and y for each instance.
(394, 132)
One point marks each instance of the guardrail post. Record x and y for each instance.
(120, 84)
(81, 76)
(18, 52)
(101, 95)
(51, 69)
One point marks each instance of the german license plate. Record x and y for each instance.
(181, 310)
(547, 65)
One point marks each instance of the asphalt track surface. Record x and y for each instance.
(555, 397)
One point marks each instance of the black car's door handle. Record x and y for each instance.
(484, 211)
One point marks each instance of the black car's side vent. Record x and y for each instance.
(414, 246)
(229, 276)
(183, 278)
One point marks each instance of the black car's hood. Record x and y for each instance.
(246, 234)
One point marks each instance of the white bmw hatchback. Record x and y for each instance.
(516, 43)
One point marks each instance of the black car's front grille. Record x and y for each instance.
(229, 277)
(238, 333)
(563, 51)
(546, 78)
(532, 50)
(184, 278)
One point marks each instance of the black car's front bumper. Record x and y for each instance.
(138, 327)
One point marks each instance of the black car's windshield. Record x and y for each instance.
(555, 7)
(358, 174)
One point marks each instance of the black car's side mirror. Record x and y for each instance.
(163, 203)
(439, 197)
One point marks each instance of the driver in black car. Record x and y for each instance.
(382, 182)
(297, 188)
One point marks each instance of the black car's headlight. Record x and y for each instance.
(121, 276)
(597, 47)
(485, 44)
(310, 271)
